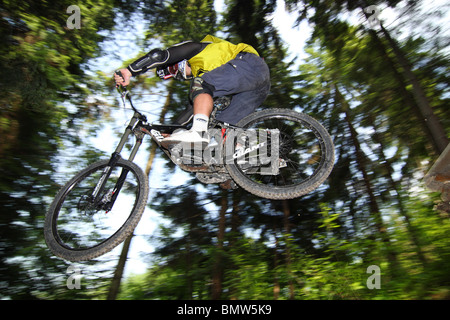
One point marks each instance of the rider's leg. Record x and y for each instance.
(246, 76)
(247, 79)
(250, 99)
(203, 105)
(201, 94)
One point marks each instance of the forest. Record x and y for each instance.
(374, 73)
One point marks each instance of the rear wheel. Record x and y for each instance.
(305, 155)
(77, 227)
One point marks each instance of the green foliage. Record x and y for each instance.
(250, 276)
(42, 71)
(177, 21)
(373, 210)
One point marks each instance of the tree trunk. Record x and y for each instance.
(440, 139)
(276, 281)
(117, 278)
(436, 130)
(361, 165)
(394, 186)
(405, 94)
(218, 264)
(287, 230)
(234, 236)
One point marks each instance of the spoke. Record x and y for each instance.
(81, 224)
(300, 148)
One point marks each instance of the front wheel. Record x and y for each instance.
(304, 158)
(78, 227)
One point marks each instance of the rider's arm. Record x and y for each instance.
(158, 58)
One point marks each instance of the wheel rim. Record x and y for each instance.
(301, 153)
(80, 225)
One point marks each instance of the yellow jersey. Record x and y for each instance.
(215, 54)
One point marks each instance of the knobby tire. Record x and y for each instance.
(88, 252)
(283, 186)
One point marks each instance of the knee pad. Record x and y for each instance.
(199, 86)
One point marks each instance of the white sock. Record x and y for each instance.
(200, 123)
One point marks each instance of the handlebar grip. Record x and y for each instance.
(119, 73)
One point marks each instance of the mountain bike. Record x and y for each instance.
(274, 153)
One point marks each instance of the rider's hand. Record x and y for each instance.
(126, 77)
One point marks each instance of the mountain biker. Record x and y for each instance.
(216, 68)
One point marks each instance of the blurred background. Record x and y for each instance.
(374, 73)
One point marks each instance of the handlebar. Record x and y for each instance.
(126, 94)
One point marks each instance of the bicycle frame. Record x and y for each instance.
(139, 127)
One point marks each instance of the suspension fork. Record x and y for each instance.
(123, 174)
(97, 195)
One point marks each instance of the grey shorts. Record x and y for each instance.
(247, 78)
